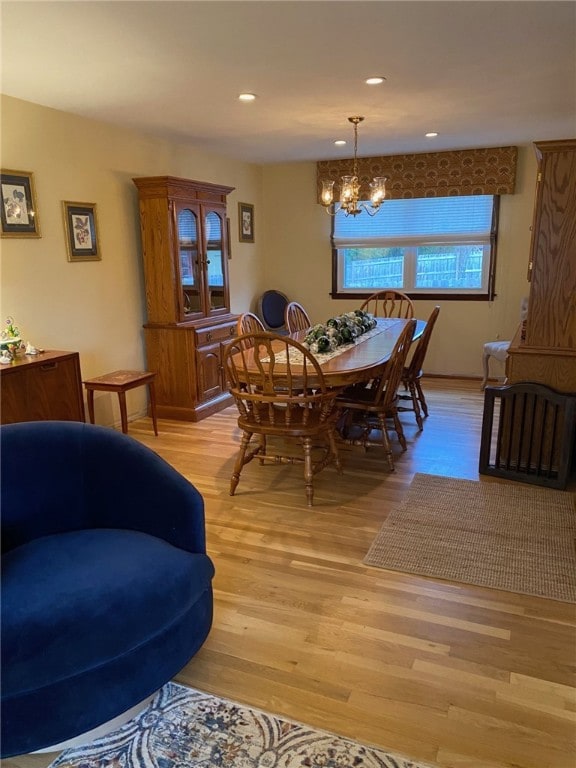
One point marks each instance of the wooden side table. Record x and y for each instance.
(121, 382)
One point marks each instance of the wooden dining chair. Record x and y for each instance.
(389, 303)
(296, 317)
(280, 391)
(362, 410)
(412, 373)
(248, 322)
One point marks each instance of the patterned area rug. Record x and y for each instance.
(518, 538)
(183, 728)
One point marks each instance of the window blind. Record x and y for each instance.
(430, 220)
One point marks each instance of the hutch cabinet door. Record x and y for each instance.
(210, 372)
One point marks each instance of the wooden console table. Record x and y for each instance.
(47, 386)
(121, 382)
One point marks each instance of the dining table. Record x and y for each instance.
(362, 360)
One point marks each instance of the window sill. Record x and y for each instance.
(452, 296)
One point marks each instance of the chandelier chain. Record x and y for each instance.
(356, 149)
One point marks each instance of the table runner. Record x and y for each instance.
(323, 357)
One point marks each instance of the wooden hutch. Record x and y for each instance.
(185, 252)
(537, 414)
(546, 351)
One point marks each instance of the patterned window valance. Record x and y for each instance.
(432, 174)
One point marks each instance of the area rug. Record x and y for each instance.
(184, 728)
(507, 536)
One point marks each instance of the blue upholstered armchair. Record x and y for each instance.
(106, 585)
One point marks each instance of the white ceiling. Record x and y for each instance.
(479, 73)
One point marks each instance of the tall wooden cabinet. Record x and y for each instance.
(547, 353)
(534, 435)
(185, 252)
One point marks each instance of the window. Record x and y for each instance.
(441, 247)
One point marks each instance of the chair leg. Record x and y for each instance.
(485, 370)
(308, 469)
(421, 398)
(399, 431)
(262, 448)
(240, 461)
(416, 405)
(386, 442)
(334, 450)
(344, 422)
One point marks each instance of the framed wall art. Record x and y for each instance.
(246, 222)
(81, 230)
(19, 213)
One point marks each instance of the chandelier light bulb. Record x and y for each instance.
(327, 193)
(378, 191)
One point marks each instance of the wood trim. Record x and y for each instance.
(182, 189)
(421, 296)
(559, 145)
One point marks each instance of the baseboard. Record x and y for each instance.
(460, 377)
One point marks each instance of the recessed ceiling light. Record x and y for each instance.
(247, 96)
(375, 80)
(431, 135)
(340, 142)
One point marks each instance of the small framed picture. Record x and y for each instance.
(81, 230)
(246, 222)
(19, 212)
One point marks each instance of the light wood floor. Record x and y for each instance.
(461, 676)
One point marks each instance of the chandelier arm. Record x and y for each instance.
(370, 211)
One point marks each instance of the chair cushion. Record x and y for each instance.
(497, 349)
(83, 598)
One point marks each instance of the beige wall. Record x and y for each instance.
(97, 308)
(297, 235)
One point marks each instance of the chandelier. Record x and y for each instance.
(350, 187)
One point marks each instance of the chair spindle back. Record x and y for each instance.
(296, 318)
(388, 384)
(249, 323)
(389, 303)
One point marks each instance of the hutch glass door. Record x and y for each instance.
(188, 246)
(215, 265)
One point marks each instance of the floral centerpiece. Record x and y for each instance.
(10, 341)
(340, 330)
